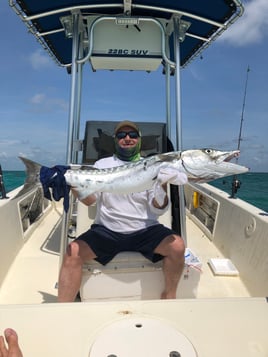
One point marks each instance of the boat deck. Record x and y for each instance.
(210, 285)
(214, 327)
(222, 312)
(33, 276)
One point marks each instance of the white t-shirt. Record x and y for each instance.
(125, 213)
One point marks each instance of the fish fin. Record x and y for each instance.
(32, 180)
(168, 157)
(88, 167)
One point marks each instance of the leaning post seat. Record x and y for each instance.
(99, 142)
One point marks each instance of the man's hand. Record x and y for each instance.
(88, 200)
(160, 195)
(171, 175)
(167, 175)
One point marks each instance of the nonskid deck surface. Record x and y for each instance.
(214, 327)
(211, 285)
(33, 277)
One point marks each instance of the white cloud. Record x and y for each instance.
(43, 103)
(60, 103)
(9, 142)
(252, 27)
(39, 60)
(3, 155)
(38, 98)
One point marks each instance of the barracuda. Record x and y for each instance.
(201, 165)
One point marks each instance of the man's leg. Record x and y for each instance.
(172, 248)
(12, 349)
(71, 270)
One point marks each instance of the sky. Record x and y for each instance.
(34, 94)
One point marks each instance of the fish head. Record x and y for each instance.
(203, 165)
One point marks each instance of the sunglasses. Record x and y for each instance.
(123, 134)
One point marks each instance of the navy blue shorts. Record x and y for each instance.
(106, 243)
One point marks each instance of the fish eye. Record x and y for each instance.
(208, 151)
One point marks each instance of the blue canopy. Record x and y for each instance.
(208, 18)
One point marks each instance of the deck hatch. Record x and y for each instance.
(141, 336)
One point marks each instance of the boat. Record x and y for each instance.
(221, 305)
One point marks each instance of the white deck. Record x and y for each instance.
(214, 327)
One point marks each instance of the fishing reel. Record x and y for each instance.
(236, 184)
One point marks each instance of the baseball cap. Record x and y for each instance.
(126, 123)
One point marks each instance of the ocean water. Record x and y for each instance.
(253, 189)
(13, 179)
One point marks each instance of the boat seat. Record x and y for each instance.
(129, 275)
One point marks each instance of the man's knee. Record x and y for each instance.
(72, 256)
(79, 249)
(177, 247)
(172, 245)
(73, 249)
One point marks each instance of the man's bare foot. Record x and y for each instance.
(10, 348)
(165, 295)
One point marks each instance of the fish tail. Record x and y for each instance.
(32, 180)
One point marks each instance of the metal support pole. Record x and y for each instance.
(71, 130)
(73, 95)
(176, 23)
(78, 91)
(168, 106)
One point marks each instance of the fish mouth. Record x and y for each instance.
(231, 155)
(226, 156)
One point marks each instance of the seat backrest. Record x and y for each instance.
(99, 141)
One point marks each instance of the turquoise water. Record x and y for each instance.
(13, 179)
(253, 189)
(254, 186)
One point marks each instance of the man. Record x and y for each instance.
(126, 222)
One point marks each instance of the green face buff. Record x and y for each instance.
(128, 154)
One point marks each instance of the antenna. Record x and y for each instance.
(236, 183)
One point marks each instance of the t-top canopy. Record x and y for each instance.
(207, 20)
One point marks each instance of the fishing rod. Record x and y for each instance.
(2, 185)
(236, 184)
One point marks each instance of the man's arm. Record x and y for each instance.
(88, 201)
(164, 199)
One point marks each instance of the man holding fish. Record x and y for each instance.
(130, 194)
(126, 222)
